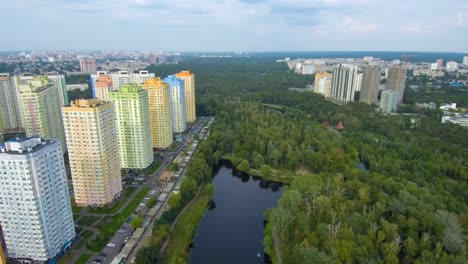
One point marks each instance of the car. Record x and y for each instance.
(111, 245)
(102, 255)
(121, 231)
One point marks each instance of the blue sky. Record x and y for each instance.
(235, 25)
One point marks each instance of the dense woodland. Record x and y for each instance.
(386, 189)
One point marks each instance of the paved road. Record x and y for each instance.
(118, 241)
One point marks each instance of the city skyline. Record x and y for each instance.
(237, 25)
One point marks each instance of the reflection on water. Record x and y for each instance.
(231, 231)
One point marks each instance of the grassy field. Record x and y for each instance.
(106, 210)
(112, 223)
(85, 235)
(66, 259)
(89, 220)
(153, 168)
(183, 232)
(83, 259)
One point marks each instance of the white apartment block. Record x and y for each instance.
(35, 210)
(123, 77)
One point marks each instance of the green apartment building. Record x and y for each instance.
(133, 126)
(39, 104)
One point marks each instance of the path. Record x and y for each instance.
(277, 244)
(178, 216)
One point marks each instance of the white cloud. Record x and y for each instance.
(356, 25)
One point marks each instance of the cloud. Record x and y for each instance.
(349, 23)
(230, 24)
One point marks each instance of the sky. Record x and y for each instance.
(235, 25)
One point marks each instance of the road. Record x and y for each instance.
(118, 241)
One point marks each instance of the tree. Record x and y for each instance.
(244, 166)
(265, 170)
(175, 201)
(137, 221)
(188, 188)
(151, 202)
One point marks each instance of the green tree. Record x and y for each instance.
(137, 221)
(175, 200)
(151, 202)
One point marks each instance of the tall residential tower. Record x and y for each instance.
(133, 126)
(160, 112)
(177, 92)
(343, 84)
(35, 210)
(396, 82)
(189, 85)
(370, 85)
(93, 151)
(39, 105)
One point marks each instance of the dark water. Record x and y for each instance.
(232, 230)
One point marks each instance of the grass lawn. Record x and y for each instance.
(85, 235)
(113, 223)
(66, 259)
(183, 232)
(83, 259)
(153, 167)
(89, 220)
(106, 210)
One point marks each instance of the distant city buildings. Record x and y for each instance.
(396, 81)
(88, 65)
(343, 84)
(189, 85)
(465, 60)
(93, 150)
(9, 111)
(323, 84)
(160, 112)
(358, 82)
(451, 66)
(102, 87)
(133, 126)
(177, 94)
(370, 85)
(308, 69)
(120, 78)
(35, 210)
(389, 101)
(440, 63)
(39, 104)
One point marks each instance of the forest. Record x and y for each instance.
(385, 189)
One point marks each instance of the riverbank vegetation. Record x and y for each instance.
(385, 189)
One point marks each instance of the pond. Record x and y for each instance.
(231, 231)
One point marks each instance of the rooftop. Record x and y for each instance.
(184, 74)
(154, 82)
(87, 103)
(22, 146)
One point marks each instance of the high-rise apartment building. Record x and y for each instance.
(343, 84)
(87, 65)
(39, 105)
(308, 69)
(160, 112)
(189, 85)
(9, 111)
(465, 60)
(451, 66)
(370, 85)
(323, 83)
(120, 78)
(93, 151)
(388, 101)
(177, 93)
(133, 126)
(102, 87)
(396, 81)
(440, 63)
(358, 82)
(61, 86)
(35, 210)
